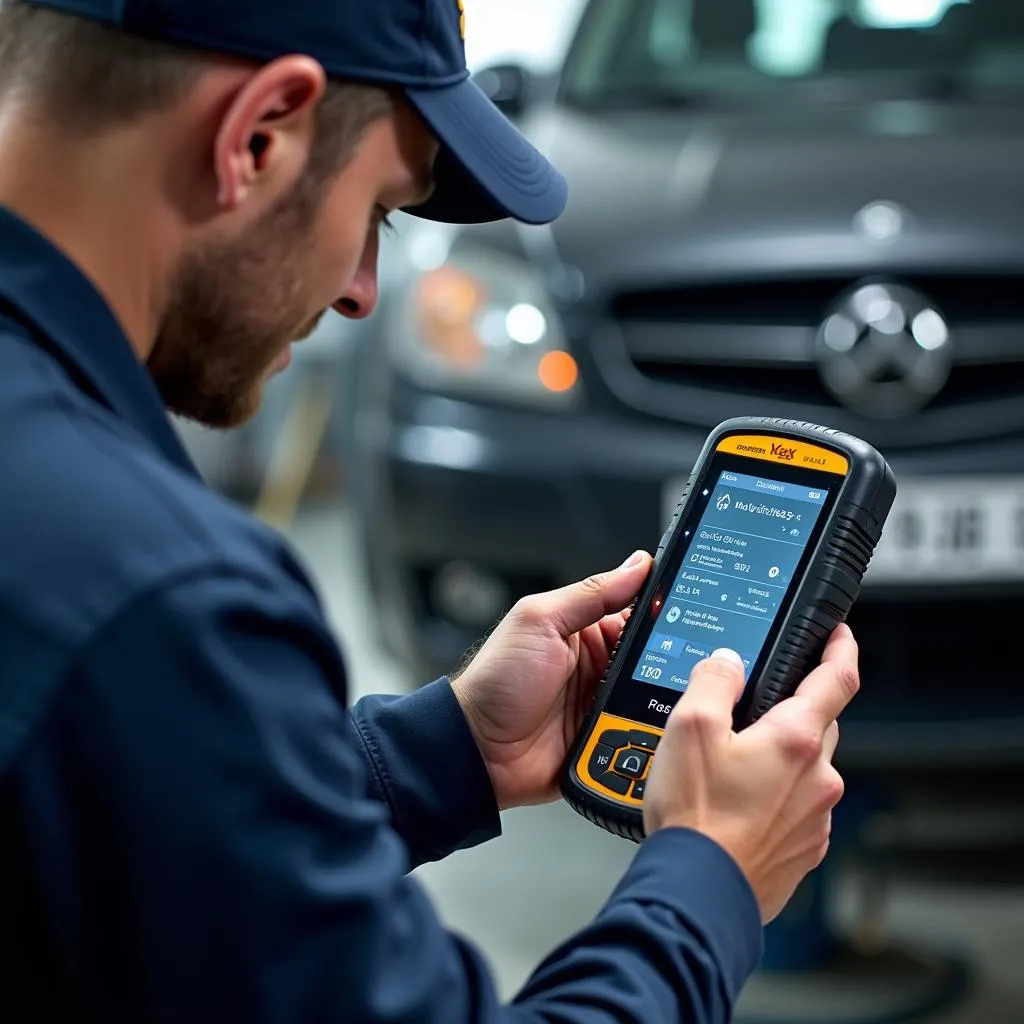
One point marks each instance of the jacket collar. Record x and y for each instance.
(67, 316)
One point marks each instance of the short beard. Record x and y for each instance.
(233, 308)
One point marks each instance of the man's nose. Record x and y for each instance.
(360, 298)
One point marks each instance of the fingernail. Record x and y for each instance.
(728, 655)
(634, 559)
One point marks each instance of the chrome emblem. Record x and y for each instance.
(881, 222)
(884, 351)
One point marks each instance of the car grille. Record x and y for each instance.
(709, 352)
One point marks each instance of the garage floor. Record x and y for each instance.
(520, 895)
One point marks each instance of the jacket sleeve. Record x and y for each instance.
(424, 764)
(213, 852)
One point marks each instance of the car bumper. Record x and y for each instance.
(537, 501)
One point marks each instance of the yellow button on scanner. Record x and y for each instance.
(618, 758)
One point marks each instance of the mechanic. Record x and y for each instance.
(195, 827)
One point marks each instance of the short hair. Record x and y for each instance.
(86, 77)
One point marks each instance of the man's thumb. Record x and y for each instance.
(715, 686)
(579, 605)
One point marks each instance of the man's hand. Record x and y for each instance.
(527, 690)
(765, 794)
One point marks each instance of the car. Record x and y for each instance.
(773, 211)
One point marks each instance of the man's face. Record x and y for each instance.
(238, 303)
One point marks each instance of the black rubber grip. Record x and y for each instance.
(829, 598)
(625, 823)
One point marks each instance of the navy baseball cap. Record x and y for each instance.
(485, 171)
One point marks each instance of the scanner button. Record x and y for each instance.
(615, 783)
(638, 790)
(614, 738)
(647, 740)
(601, 760)
(632, 763)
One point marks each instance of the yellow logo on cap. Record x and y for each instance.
(462, 19)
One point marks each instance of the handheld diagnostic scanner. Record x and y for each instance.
(765, 555)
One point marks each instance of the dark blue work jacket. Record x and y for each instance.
(193, 826)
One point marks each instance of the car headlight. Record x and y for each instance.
(482, 322)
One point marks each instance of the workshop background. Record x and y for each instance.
(807, 208)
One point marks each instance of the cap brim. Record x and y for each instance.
(486, 170)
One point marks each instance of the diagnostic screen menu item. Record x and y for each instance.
(738, 564)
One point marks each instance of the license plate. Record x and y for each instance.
(942, 530)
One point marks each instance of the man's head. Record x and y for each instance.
(280, 136)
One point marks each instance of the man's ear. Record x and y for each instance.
(266, 131)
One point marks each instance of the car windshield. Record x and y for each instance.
(647, 52)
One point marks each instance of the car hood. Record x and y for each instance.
(663, 195)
